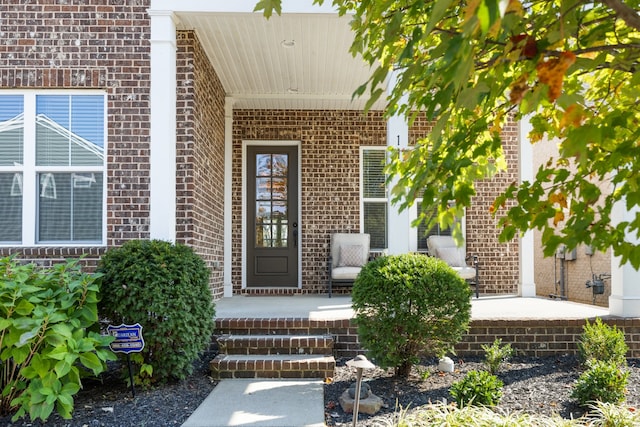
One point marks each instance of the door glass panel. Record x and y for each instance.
(279, 189)
(279, 210)
(280, 164)
(263, 188)
(272, 225)
(263, 164)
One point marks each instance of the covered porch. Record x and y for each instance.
(319, 307)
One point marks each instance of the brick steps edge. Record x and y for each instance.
(276, 344)
(272, 366)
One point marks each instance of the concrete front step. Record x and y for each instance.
(272, 366)
(276, 344)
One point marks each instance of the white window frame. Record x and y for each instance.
(30, 171)
(364, 200)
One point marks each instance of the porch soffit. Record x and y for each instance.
(260, 71)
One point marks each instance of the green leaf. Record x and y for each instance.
(488, 13)
(268, 6)
(91, 361)
(440, 7)
(26, 337)
(62, 368)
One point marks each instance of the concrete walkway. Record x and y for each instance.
(263, 403)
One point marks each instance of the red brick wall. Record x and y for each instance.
(330, 155)
(200, 157)
(499, 262)
(330, 142)
(531, 337)
(95, 45)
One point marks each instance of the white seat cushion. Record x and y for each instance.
(465, 272)
(345, 273)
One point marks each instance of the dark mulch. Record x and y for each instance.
(109, 402)
(534, 385)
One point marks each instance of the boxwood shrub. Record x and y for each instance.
(165, 288)
(407, 306)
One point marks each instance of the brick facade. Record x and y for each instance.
(93, 45)
(330, 150)
(499, 262)
(330, 181)
(200, 157)
(105, 46)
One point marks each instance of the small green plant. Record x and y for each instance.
(424, 373)
(602, 342)
(478, 388)
(602, 382)
(49, 337)
(165, 288)
(496, 354)
(409, 305)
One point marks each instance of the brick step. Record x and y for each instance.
(272, 366)
(283, 326)
(276, 344)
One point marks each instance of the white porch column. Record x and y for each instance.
(162, 174)
(228, 179)
(625, 280)
(527, 286)
(399, 223)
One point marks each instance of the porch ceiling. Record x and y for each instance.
(259, 68)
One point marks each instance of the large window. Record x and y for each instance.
(52, 168)
(374, 195)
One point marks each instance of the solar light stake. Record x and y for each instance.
(361, 363)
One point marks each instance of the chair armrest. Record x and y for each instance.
(475, 260)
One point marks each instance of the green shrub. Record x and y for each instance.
(495, 354)
(165, 288)
(600, 341)
(407, 306)
(602, 382)
(49, 337)
(479, 388)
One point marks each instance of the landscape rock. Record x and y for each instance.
(370, 405)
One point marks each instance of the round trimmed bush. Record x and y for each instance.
(165, 288)
(408, 306)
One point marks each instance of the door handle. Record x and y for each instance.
(295, 234)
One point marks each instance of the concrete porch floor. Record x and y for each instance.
(320, 307)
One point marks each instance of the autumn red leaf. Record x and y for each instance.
(551, 73)
(527, 45)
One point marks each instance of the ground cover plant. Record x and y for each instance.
(49, 337)
(165, 288)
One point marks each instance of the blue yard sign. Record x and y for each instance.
(128, 338)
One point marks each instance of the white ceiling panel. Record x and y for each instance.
(297, 61)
